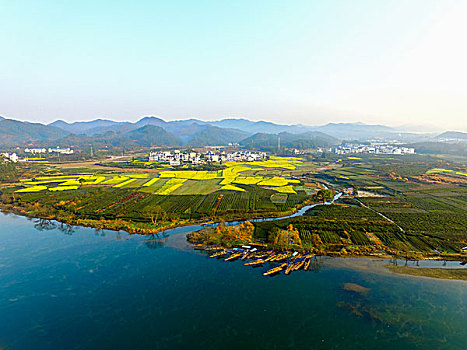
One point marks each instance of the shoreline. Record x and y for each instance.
(459, 274)
(115, 225)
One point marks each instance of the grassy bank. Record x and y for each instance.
(457, 274)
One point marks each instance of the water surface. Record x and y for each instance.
(79, 288)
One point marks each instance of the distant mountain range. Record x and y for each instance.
(154, 131)
(453, 135)
(14, 132)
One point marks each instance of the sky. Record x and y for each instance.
(311, 62)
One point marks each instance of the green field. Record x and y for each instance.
(232, 192)
(414, 204)
(180, 182)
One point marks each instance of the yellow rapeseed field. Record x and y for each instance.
(232, 188)
(63, 188)
(170, 186)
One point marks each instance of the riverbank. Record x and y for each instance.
(144, 228)
(116, 225)
(148, 228)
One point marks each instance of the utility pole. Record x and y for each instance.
(278, 144)
(92, 153)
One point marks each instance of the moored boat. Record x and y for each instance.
(218, 254)
(255, 262)
(275, 269)
(234, 256)
(299, 264)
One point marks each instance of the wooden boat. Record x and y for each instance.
(293, 263)
(233, 256)
(289, 268)
(282, 257)
(215, 255)
(271, 256)
(263, 254)
(255, 262)
(275, 269)
(299, 264)
(279, 257)
(214, 248)
(307, 263)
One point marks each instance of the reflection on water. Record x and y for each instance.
(152, 241)
(47, 225)
(428, 263)
(99, 289)
(156, 241)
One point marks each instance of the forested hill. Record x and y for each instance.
(14, 132)
(274, 141)
(454, 135)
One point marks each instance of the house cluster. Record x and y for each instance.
(373, 148)
(57, 150)
(10, 157)
(178, 157)
(175, 157)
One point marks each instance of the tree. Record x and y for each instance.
(154, 212)
(316, 239)
(323, 196)
(285, 239)
(8, 170)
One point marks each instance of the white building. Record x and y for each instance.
(378, 148)
(12, 157)
(35, 150)
(50, 150)
(61, 150)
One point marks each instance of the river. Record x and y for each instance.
(79, 288)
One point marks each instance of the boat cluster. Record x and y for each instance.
(288, 261)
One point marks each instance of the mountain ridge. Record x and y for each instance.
(195, 132)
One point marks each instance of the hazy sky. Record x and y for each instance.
(392, 62)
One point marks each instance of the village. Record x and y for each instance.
(15, 158)
(177, 157)
(373, 148)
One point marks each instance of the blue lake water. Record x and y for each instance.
(87, 289)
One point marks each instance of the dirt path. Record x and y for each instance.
(382, 215)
